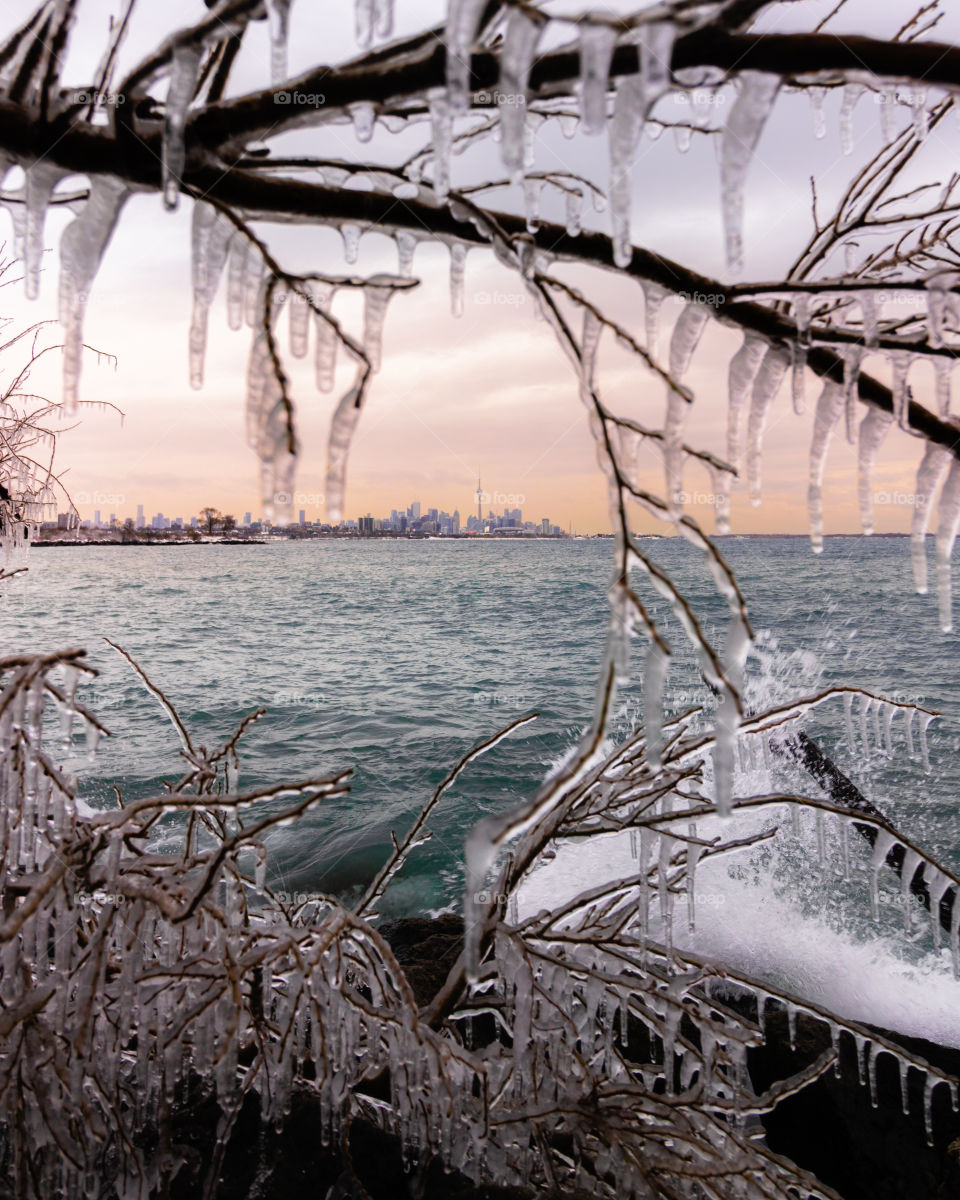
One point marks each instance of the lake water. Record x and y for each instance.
(393, 658)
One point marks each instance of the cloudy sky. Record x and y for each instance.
(488, 391)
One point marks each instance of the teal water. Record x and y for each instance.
(393, 658)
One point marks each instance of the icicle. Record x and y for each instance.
(678, 408)
(278, 16)
(364, 118)
(818, 97)
(653, 298)
(654, 675)
(948, 521)
(211, 235)
(873, 429)
(342, 427)
(848, 722)
(363, 21)
(463, 20)
(930, 475)
(299, 325)
(327, 339)
(943, 368)
(458, 268)
(39, 181)
(929, 1083)
(888, 98)
(852, 356)
(441, 125)
(628, 111)
(184, 69)
(865, 706)
(869, 318)
(829, 410)
(383, 14)
(82, 247)
(925, 719)
(351, 241)
(901, 393)
(686, 335)
(743, 371)
(908, 734)
(516, 58)
(406, 248)
(589, 342)
(683, 136)
(236, 280)
(851, 94)
(596, 50)
(765, 388)
(741, 134)
(904, 1089)
(376, 297)
(656, 52)
(881, 848)
(531, 201)
(921, 117)
(574, 211)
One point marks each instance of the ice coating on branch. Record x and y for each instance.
(596, 50)
(798, 365)
(765, 387)
(441, 125)
(851, 94)
(184, 70)
(458, 270)
(686, 336)
(869, 317)
(948, 521)
(873, 429)
(758, 90)
(463, 21)
(342, 426)
(376, 296)
(278, 16)
(82, 247)
(656, 52)
(589, 343)
(516, 58)
(210, 241)
(828, 412)
(39, 181)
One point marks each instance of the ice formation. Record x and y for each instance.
(516, 59)
(463, 20)
(278, 15)
(184, 70)
(873, 429)
(82, 247)
(686, 337)
(948, 522)
(930, 476)
(772, 369)
(741, 134)
(597, 42)
(828, 412)
(211, 237)
(343, 424)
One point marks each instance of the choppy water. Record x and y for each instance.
(394, 658)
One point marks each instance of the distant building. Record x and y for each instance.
(141, 520)
(96, 518)
(303, 516)
(67, 520)
(246, 519)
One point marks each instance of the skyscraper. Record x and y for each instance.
(140, 519)
(479, 500)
